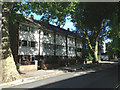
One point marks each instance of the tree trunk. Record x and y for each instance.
(96, 51)
(0, 44)
(10, 72)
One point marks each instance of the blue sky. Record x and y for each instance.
(67, 25)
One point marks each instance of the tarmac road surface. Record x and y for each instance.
(108, 78)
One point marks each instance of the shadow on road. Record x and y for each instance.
(107, 78)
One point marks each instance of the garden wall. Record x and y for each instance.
(27, 68)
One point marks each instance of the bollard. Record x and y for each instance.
(36, 64)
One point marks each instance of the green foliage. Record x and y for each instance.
(51, 11)
(38, 67)
(90, 19)
(18, 64)
(89, 57)
(113, 48)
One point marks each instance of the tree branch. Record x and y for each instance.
(104, 35)
(88, 41)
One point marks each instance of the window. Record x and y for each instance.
(33, 58)
(59, 47)
(20, 27)
(28, 29)
(46, 33)
(71, 49)
(20, 42)
(58, 35)
(47, 46)
(32, 29)
(71, 39)
(29, 44)
(32, 44)
(25, 58)
(79, 49)
(24, 43)
(23, 28)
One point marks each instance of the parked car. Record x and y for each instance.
(104, 57)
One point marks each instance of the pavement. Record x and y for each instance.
(43, 74)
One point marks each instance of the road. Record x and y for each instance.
(107, 78)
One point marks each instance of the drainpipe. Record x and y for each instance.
(76, 47)
(39, 46)
(54, 43)
(66, 47)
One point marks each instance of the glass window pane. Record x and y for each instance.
(28, 28)
(24, 43)
(24, 28)
(46, 33)
(20, 27)
(33, 58)
(32, 44)
(32, 29)
(20, 42)
(29, 44)
(25, 58)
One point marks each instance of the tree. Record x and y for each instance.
(9, 26)
(9, 69)
(9, 22)
(114, 46)
(55, 12)
(91, 20)
(88, 20)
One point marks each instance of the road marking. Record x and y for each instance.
(117, 85)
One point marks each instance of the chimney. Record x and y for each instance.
(68, 29)
(75, 31)
(32, 17)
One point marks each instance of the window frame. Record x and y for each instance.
(20, 43)
(27, 28)
(45, 33)
(23, 43)
(26, 58)
(34, 44)
(33, 56)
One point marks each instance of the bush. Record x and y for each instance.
(18, 64)
(89, 58)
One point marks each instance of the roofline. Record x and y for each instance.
(56, 28)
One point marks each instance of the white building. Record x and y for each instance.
(38, 39)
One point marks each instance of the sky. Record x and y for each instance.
(67, 25)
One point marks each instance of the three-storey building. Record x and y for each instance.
(37, 39)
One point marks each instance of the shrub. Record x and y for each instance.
(18, 64)
(89, 58)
